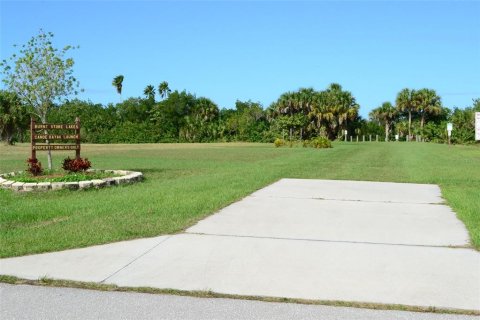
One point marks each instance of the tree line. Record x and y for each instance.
(419, 115)
(180, 116)
(40, 77)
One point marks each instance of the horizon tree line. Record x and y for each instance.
(181, 116)
(296, 115)
(423, 104)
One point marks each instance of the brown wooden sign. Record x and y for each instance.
(56, 137)
(47, 136)
(48, 126)
(56, 147)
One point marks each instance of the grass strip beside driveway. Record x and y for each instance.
(187, 182)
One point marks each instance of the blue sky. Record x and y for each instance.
(229, 50)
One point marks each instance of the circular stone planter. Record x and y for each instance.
(125, 177)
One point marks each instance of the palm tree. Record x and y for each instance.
(316, 113)
(149, 92)
(427, 102)
(386, 115)
(286, 105)
(164, 90)
(334, 87)
(117, 83)
(405, 102)
(339, 106)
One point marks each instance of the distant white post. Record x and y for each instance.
(346, 135)
(449, 131)
(477, 126)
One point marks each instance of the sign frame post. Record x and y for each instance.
(449, 131)
(77, 141)
(32, 138)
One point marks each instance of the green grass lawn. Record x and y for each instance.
(187, 182)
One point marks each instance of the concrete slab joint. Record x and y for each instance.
(392, 244)
(125, 177)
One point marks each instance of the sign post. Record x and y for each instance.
(477, 126)
(77, 140)
(32, 135)
(46, 137)
(449, 131)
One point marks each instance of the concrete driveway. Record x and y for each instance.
(374, 242)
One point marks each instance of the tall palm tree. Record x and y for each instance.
(386, 115)
(118, 84)
(164, 90)
(340, 106)
(405, 102)
(334, 87)
(149, 92)
(348, 108)
(286, 105)
(427, 102)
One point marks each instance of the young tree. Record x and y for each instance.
(427, 103)
(118, 84)
(164, 90)
(386, 115)
(40, 75)
(149, 92)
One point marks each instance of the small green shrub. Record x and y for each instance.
(279, 142)
(306, 143)
(321, 142)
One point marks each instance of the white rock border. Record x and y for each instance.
(125, 177)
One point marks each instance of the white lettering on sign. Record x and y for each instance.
(477, 125)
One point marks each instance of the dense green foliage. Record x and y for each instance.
(308, 113)
(419, 115)
(40, 77)
(186, 182)
(14, 119)
(386, 114)
(182, 117)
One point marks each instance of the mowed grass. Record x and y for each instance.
(187, 182)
